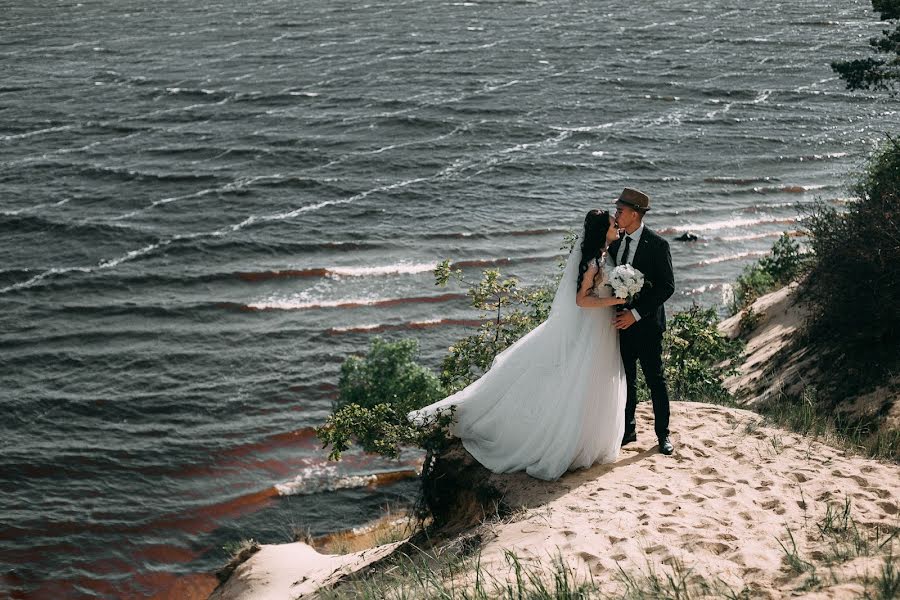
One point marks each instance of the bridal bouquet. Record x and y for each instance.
(626, 282)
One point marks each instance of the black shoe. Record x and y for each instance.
(665, 446)
(630, 436)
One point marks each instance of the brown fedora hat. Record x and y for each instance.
(636, 199)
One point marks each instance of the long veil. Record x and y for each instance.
(553, 400)
(555, 337)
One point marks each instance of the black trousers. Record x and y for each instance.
(643, 342)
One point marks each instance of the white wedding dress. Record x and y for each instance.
(554, 400)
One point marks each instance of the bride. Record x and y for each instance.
(554, 400)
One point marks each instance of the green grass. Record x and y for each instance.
(456, 576)
(429, 576)
(886, 584)
(804, 415)
(838, 538)
(674, 582)
(792, 555)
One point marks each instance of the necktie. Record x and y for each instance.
(624, 260)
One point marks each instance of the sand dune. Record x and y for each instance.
(719, 506)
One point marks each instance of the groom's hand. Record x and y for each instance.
(624, 319)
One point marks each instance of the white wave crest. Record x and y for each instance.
(399, 269)
(730, 257)
(728, 224)
(366, 327)
(323, 478)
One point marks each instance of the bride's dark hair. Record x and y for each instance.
(596, 223)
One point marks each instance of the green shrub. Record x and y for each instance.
(750, 285)
(376, 392)
(388, 374)
(853, 289)
(510, 311)
(784, 263)
(697, 356)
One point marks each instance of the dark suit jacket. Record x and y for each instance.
(652, 258)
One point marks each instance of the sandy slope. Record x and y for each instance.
(719, 506)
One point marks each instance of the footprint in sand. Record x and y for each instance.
(702, 480)
(888, 507)
(715, 547)
(774, 505)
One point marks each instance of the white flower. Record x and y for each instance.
(625, 281)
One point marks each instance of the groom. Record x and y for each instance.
(641, 323)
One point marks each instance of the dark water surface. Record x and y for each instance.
(204, 207)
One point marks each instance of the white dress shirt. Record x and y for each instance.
(632, 248)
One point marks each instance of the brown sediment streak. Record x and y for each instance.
(463, 322)
(289, 438)
(405, 326)
(163, 553)
(481, 262)
(206, 518)
(417, 300)
(393, 476)
(163, 586)
(301, 438)
(280, 467)
(195, 521)
(197, 586)
(286, 274)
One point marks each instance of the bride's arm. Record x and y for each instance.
(585, 299)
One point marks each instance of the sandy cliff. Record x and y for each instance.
(741, 505)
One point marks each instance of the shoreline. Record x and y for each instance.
(737, 505)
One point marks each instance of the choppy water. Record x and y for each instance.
(205, 207)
